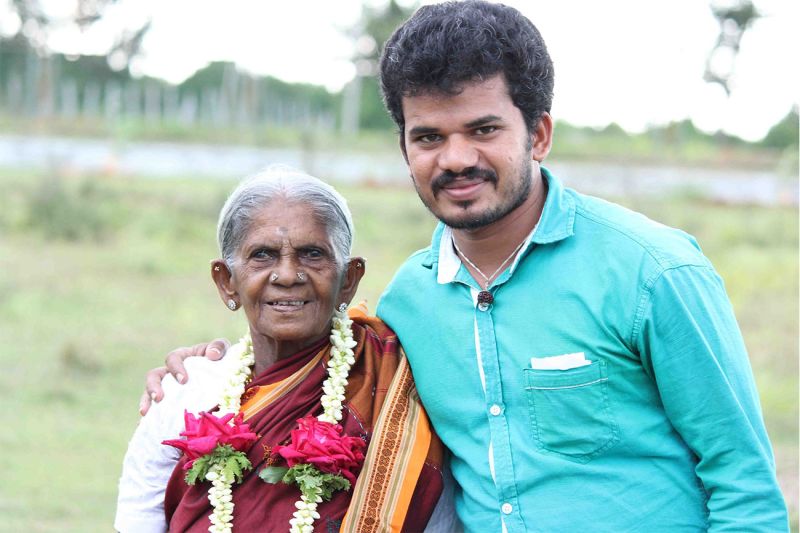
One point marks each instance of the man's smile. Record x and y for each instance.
(463, 188)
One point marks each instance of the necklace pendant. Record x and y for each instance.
(485, 297)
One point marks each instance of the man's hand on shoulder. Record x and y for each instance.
(153, 392)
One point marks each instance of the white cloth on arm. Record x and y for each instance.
(148, 464)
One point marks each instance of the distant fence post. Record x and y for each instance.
(69, 99)
(112, 101)
(152, 103)
(351, 104)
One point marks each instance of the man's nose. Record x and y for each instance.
(457, 154)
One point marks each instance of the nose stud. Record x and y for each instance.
(273, 277)
(301, 276)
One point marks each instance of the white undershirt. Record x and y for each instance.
(148, 464)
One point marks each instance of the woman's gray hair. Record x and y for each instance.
(288, 185)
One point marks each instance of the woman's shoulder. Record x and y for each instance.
(202, 389)
(372, 324)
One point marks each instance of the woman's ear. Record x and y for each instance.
(354, 271)
(223, 279)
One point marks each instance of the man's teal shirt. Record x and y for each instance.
(662, 431)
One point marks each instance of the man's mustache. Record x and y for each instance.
(448, 176)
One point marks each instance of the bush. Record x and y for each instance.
(76, 213)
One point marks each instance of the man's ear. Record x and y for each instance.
(223, 279)
(401, 138)
(542, 137)
(354, 271)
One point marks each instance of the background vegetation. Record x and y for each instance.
(43, 91)
(104, 275)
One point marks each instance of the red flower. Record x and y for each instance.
(322, 444)
(204, 432)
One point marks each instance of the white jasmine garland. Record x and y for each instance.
(342, 357)
(231, 400)
(220, 495)
(333, 388)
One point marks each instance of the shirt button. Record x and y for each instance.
(506, 508)
(483, 306)
(495, 410)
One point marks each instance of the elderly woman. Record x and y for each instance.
(271, 436)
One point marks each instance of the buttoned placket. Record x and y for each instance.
(503, 471)
(500, 457)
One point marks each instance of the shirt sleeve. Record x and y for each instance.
(687, 336)
(148, 465)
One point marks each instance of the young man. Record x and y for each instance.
(581, 362)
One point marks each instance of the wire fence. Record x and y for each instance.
(56, 87)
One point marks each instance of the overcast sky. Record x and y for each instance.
(633, 62)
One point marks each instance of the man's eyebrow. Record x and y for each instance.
(477, 123)
(482, 121)
(421, 130)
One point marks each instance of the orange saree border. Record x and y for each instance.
(395, 457)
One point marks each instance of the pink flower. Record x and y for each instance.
(322, 444)
(204, 432)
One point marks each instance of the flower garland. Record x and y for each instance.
(215, 443)
(220, 494)
(231, 400)
(314, 484)
(317, 477)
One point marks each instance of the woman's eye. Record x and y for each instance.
(262, 254)
(312, 253)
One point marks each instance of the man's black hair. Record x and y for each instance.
(443, 46)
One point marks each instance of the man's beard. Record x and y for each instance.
(521, 189)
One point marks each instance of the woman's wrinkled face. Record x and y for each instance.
(286, 277)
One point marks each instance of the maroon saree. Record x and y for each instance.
(291, 389)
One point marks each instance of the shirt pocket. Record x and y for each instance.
(570, 412)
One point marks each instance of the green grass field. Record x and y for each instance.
(104, 275)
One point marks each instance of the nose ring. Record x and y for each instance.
(301, 276)
(273, 276)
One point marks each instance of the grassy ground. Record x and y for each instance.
(103, 275)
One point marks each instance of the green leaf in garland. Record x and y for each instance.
(333, 483)
(312, 482)
(234, 464)
(199, 469)
(273, 474)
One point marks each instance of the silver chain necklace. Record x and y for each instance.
(473, 265)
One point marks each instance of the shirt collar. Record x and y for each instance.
(556, 223)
